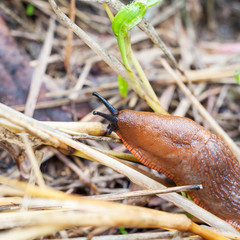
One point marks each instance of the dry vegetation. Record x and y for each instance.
(57, 74)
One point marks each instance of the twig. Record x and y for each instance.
(96, 213)
(120, 196)
(31, 156)
(39, 71)
(96, 138)
(68, 47)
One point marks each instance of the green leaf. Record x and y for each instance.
(237, 76)
(122, 87)
(190, 198)
(30, 10)
(123, 230)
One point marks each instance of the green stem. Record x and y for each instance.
(123, 50)
(142, 75)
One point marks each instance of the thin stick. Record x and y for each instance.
(96, 138)
(40, 70)
(105, 214)
(120, 196)
(68, 47)
(33, 160)
(108, 11)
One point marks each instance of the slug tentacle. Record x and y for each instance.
(111, 109)
(112, 119)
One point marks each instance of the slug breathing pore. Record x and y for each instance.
(185, 152)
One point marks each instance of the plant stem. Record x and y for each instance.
(108, 11)
(126, 52)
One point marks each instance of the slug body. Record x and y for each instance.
(188, 154)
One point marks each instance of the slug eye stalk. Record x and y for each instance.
(113, 119)
(111, 109)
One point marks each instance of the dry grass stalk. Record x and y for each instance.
(95, 213)
(63, 141)
(39, 71)
(68, 47)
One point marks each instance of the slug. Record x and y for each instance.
(185, 152)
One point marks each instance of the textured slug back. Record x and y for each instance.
(188, 154)
(220, 176)
(161, 142)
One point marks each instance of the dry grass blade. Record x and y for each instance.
(39, 71)
(16, 17)
(96, 213)
(91, 128)
(81, 129)
(96, 138)
(33, 161)
(82, 78)
(120, 196)
(30, 232)
(64, 141)
(13, 201)
(68, 47)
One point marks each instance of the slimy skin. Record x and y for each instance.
(188, 154)
(185, 152)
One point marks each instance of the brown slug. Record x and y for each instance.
(185, 152)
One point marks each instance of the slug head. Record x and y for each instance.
(113, 119)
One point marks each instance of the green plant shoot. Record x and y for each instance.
(128, 17)
(123, 230)
(30, 10)
(237, 76)
(122, 87)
